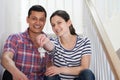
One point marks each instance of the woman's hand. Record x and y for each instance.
(52, 70)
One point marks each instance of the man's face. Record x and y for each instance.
(36, 21)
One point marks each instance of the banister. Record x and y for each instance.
(106, 43)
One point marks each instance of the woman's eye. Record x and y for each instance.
(53, 25)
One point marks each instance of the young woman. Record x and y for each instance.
(71, 53)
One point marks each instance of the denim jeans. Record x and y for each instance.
(84, 75)
(56, 77)
(7, 76)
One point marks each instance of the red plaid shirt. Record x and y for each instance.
(26, 56)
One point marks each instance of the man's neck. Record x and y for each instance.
(33, 38)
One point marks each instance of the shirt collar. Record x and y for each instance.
(26, 33)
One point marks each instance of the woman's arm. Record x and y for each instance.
(85, 62)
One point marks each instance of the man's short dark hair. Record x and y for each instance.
(38, 8)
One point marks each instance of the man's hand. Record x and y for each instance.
(19, 76)
(42, 39)
(45, 42)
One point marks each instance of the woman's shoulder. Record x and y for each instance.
(83, 37)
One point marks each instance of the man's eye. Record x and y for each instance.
(42, 20)
(59, 22)
(33, 18)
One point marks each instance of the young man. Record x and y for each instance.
(21, 57)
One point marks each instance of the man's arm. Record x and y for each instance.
(45, 42)
(8, 63)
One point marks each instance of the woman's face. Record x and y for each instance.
(59, 25)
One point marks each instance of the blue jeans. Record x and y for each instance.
(7, 75)
(56, 77)
(84, 75)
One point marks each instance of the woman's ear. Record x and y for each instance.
(69, 22)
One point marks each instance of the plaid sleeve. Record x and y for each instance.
(10, 44)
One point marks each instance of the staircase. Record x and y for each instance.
(118, 53)
(105, 62)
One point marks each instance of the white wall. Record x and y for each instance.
(112, 27)
(9, 22)
(2, 29)
(10, 19)
(109, 14)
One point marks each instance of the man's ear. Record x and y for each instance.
(27, 19)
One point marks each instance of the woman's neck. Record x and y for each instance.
(68, 42)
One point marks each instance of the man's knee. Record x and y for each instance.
(7, 75)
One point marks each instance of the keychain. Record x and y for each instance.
(42, 52)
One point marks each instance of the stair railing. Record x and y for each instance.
(105, 62)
